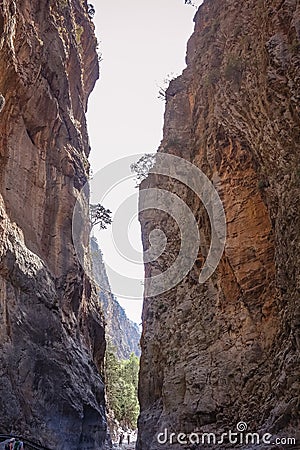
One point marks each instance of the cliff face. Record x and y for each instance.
(228, 350)
(52, 332)
(120, 330)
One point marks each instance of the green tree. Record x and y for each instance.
(121, 387)
(112, 378)
(131, 370)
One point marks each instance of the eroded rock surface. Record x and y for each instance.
(228, 350)
(51, 328)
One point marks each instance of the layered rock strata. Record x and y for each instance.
(52, 331)
(226, 351)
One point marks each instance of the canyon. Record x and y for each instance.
(214, 354)
(226, 351)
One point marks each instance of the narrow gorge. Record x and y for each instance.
(218, 353)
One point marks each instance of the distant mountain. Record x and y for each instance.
(122, 332)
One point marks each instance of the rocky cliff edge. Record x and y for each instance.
(52, 334)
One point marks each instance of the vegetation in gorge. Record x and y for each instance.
(121, 387)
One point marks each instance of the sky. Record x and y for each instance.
(141, 43)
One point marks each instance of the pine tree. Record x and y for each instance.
(121, 387)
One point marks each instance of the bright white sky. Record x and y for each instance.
(141, 43)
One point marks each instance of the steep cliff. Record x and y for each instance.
(120, 330)
(226, 351)
(52, 333)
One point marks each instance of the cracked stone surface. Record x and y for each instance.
(52, 330)
(228, 350)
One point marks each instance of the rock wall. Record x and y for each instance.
(228, 350)
(52, 331)
(122, 332)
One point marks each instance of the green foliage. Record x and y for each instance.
(121, 387)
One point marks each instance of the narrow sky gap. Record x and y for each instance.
(141, 43)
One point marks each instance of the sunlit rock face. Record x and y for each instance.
(228, 350)
(52, 334)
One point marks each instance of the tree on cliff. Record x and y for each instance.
(100, 216)
(164, 85)
(143, 166)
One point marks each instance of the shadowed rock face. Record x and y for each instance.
(228, 350)
(51, 328)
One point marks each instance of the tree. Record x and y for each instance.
(100, 216)
(129, 400)
(143, 166)
(112, 377)
(121, 387)
(162, 93)
(131, 370)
